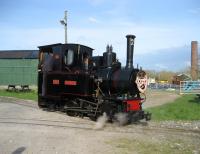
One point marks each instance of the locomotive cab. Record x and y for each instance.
(76, 56)
(61, 71)
(65, 55)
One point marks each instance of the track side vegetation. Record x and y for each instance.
(28, 95)
(187, 107)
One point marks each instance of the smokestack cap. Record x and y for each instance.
(130, 36)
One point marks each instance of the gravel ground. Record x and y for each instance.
(26, 129)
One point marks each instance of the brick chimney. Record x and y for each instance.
(194, 60)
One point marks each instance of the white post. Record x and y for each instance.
(64, 22)
(65, 18)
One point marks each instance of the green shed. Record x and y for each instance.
(18, 67)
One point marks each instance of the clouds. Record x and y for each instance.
(17, 38)
(174, 59)
(149, 38)
(93, 20)
(161, 67)
(157, 25)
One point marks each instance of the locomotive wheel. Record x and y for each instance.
(110, 109)
(41, 106)
(51, 107)
(71, 113)
(93, 118)
(134, 117)
(71, 103)
(42, 103)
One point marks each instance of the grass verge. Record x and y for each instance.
(29, 95)
(129, 146)
(187, 107)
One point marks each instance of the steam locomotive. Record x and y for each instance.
(71, 80)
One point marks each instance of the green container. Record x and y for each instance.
(18, 71)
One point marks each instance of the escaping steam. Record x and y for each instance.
(101, 121)
(121, 119)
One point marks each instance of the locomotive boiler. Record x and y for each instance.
(72, 80)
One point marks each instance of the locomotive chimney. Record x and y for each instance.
(194, 60)
(130, 47)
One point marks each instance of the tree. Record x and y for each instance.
(161, 75)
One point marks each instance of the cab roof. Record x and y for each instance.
(60, 44)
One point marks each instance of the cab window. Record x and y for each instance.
(69, 57)
(43, 56)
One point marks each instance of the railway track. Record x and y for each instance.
(88, 125)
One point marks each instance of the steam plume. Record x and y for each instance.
(121, 119)
(101, 121)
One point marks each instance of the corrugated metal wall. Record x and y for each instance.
(18, 71)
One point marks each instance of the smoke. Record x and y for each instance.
(101, 121)
(121, 119)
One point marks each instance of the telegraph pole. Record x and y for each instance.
(64, 22)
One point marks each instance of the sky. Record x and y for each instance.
(160, 26)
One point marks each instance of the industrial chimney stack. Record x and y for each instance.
(194, 60)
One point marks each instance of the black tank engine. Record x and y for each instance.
(71, 80)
